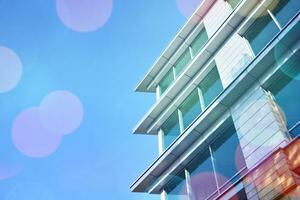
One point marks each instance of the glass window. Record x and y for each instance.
(261, 32)
(166, 81)
(227, 144)
(190, 108)
(286, 92)
(203, 182)
(171, 129)
(211, 86)
(233, 3)
(285, 10)
(199, 41)
(176, 188)
(241, 195)
(182, 61)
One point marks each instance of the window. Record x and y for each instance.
(233, 3)
(216, 165)
(166, 81)
(285, 10)
(190, 108)
(171, 129)
(199, 41)
(203, 182)
(286, 93)
(227, 144)
(176, 188)
(182, 61)
(261, 32)
(211, 86)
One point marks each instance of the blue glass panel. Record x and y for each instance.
(211, 86)
(176, 188)
(166, 81)
(287, 92)
(182, 62)
(202, 176)
(285, 10)
(199, 41)
(226, 151)
(171, 129)
(190, 108)
(261, 32)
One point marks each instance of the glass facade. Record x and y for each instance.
(286, 93)
(171, 129)
(183, 60)
(199, 41)
(285, 10)
(166, 81)
(176, 188)
(264, 29)
(210, 169)
(261, 32)
(210, 87)
(233, 3)
(190, 108)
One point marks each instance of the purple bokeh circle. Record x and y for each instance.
(84, 15)
(188, 7)
(10, 69)
(61, 112)
(31, 137)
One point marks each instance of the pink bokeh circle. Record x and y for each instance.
(61, 112)
(30, 136)
(10, 69)
(188, 7)
(84, 15)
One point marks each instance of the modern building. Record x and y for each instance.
(227, 112)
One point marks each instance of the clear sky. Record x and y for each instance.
(68, 74)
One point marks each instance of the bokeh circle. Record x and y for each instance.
(84, 15)
(30, 136)
(61, 112)
(188, 7)
(10, 69)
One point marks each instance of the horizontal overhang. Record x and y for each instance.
(203, 58)
(176, 42)
(173, 158)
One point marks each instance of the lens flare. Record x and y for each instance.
(84, 16)
(10, 69)
(61, 112)
(188, 7)
(30, 136)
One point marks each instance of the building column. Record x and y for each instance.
(161, 145)
(163, 195)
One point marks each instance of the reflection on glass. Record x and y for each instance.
(199, 41)
(261, 32)
(211, 86)
(203, 182)
(285, 10)
(227, 144)
(190, 108)
(233, 3)
(166, 81)
(286, 92)
(182, 61)
(171, 129)
(176, 188)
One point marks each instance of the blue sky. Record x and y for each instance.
(101, 158)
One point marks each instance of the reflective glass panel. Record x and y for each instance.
(233, 3)
(226, 151)
(199, 41)
(166, 81)
(261, 32)
(287, 92)
(171, 129)
(284, 10)
(190, 108)
(182, 61)
(176, 188)
(202, 176)
(211, 86)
